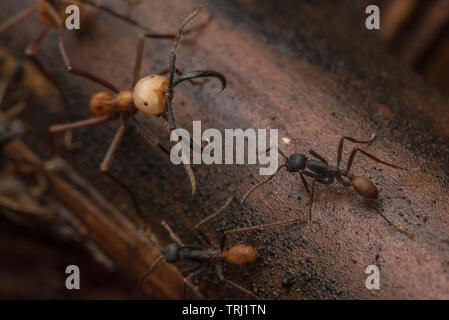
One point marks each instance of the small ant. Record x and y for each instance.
(211, 253)
(324, 173)
(51, 14)
(152, 95)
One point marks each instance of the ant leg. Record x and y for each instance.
(154, 141)
(316, 178)
(260, 183)
(31, 51)
(148, 136)
(79, 72)
(187, 281)
(304, 181)
(232, 283)
(210, 217)
(316, 155)
(258, 227)
(340, 145)
(139, 53)
(22, 15)
(111, 12)
(106, 163)
(172, 66)
(411, 235)
(311, 200)
(34, 46)
(146, 274)
(354, 152)
(74, 125)
(79, 124)
(138, 62)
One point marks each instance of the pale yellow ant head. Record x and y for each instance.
(149, 94)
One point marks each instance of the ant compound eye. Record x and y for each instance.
(171, 253)
(148, 94)
(296, 162)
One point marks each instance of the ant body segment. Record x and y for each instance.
(211, 253)
(51, 15)
(152, 95)
(322, 172)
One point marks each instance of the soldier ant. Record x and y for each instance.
(211, 253)
(322, 172)
(51, 14)
(152, 95)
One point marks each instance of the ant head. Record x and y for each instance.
(171, 252)
(296, 162)
(149, 94)
(102, 104)
(364, 186)
(241, 254)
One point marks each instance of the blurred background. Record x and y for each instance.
(417, 33)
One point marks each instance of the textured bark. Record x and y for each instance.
(314, 74)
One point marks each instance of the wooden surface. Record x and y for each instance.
(308, 71)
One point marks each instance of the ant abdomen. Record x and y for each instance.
(102, 104)
(364, 186)
(241, 254)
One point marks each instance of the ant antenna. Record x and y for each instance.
(260, 183)
(172, 234)
(278, 149)
(181, 29)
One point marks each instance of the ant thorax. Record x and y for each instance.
(150, 93)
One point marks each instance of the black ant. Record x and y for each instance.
(211, 253)
(152, 95)
(51, 15)
(322, 172)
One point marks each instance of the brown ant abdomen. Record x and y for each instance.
(241, 254)
(103, 104)
(364, 186)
